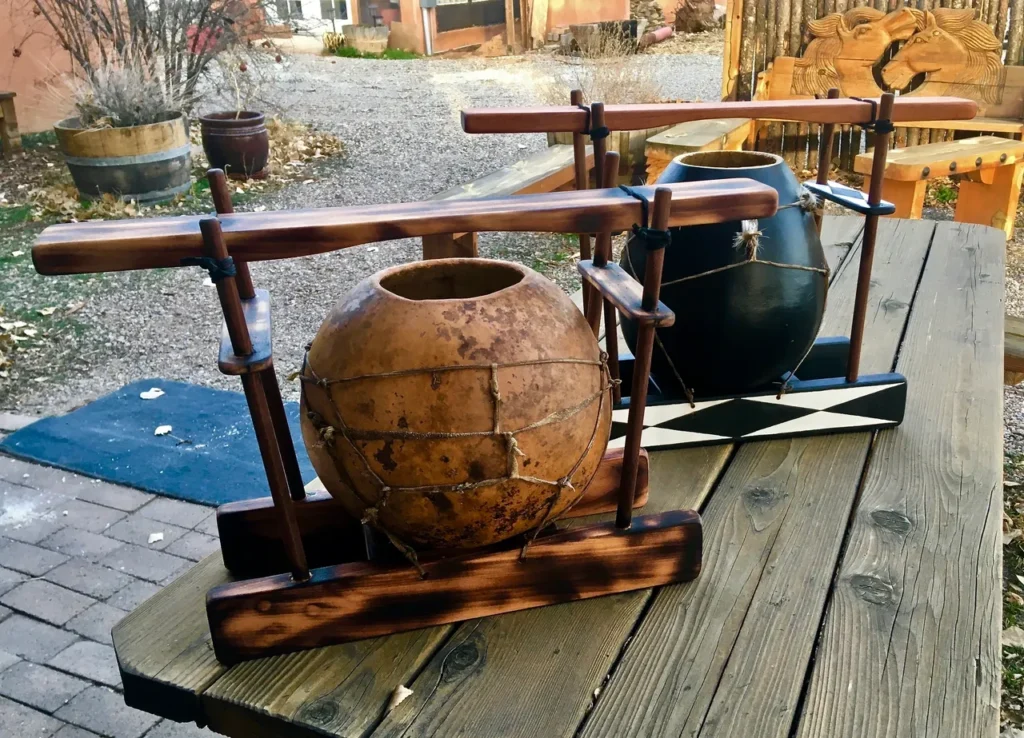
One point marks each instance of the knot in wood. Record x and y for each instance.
(321, 712)
(871, 589)
(891, 520)
(761, 498)
(461, 658)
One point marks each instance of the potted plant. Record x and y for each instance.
(127, 139)
(237, 140)
(169, 45)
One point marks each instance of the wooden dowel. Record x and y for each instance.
(221, 194)
(591, 304)
(270, 451)
(825, 144)
(227, 290)
(603, 245)
(77, 248)
(255, 395)
(582, 178)
(867, 249)
(283, 432)
(844, 111)
(642, 366)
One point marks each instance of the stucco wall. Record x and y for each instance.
(562, 13)
(31, 65)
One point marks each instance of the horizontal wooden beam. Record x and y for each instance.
(260, 617)
(77, 248)
(568, 119)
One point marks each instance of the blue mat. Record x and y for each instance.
(210, 456)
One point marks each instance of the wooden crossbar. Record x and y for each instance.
(77, 248)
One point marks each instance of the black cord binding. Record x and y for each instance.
(652, 238)
(594, 133)
(878, 126)
(219, 269)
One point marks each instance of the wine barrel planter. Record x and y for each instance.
(142, 163)
(237, 142)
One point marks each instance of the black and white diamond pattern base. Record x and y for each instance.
(808, 408)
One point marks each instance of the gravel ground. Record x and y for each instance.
(400, 123)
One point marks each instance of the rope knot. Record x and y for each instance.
(219, 269)
(749, 239)
(513, 455)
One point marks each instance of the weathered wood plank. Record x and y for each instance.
(838, 235)
(551, 659)
(163, 647)
(339, 690)
(910, 645)
(759, 558)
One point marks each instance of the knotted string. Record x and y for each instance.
(219, 269)
(652, 238)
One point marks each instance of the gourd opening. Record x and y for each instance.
(728, 159)
(451, 279)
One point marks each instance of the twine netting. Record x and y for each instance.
(329, 435)
(749, 241)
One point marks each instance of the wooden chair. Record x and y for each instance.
(989, 193)
(10, 138)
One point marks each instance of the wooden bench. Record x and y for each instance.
(989, 191)
(10, 139)
(547, 171)
(724, 134)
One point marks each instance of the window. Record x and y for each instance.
(287, 9)
(334, 10)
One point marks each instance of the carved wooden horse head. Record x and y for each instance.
(846, 46)
(951, 47)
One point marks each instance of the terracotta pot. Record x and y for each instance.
(237, 142)
(742, 328)
(465, 316)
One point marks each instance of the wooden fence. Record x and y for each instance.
(759, 31)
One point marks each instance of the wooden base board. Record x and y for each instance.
(250, 537)
(260, 617)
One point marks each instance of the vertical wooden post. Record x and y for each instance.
(221, 193)
(582, 176)
(510, 24)
(602, 250)
(825, 143)
(867, 250)
(642, 364)
(255, 395)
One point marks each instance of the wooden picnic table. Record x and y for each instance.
(850, 587)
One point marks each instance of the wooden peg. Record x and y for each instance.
(642, 364)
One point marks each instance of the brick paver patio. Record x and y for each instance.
(75, 557)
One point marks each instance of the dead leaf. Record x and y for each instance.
(1016, 598)
(30, 332)
(1010, 485)
(47, 311)
(74, 307)
(1013, 637)
(152, 394)
(1009, 537)
(155, 537)
(162, 430)
(400, 695)
(17, 253)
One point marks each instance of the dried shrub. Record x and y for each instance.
(607, 69)
(173, 41)
(121, 93)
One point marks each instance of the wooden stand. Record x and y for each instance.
(313, 576)
(829, 395)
